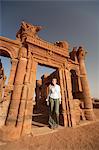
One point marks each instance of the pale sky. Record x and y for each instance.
(74, 21)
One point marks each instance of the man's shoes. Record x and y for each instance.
(56, 126)
(51, 127)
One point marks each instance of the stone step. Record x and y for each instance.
(2, 143)
(44, 130)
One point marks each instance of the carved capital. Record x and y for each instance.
(81, 53)
(27, 29)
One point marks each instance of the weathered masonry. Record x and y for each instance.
(16, 98)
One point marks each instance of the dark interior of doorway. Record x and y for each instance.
(41, 110)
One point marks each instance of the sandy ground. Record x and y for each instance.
(80, 138)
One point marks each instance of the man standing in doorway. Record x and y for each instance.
(53, 101)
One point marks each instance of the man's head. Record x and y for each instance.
(54, 81)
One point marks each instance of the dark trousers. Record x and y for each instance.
(53, 112)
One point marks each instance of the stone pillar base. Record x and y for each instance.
(10, 133)
(89, 114)
(73, 119)
(3, 112)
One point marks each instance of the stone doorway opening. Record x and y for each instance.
(41, 110)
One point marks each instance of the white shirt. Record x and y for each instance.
(54, 92)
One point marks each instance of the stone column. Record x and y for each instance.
(63, 97)
(24, 98)
(12, 71)
(8, 89)
(69, 101)
(27, 122)
(85, 85)
(17, 91)
(79, 83)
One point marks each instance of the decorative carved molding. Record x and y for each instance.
(8, 50)
(48, 46)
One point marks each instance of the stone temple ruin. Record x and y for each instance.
(17, 102)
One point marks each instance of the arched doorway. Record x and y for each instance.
(6, 80)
